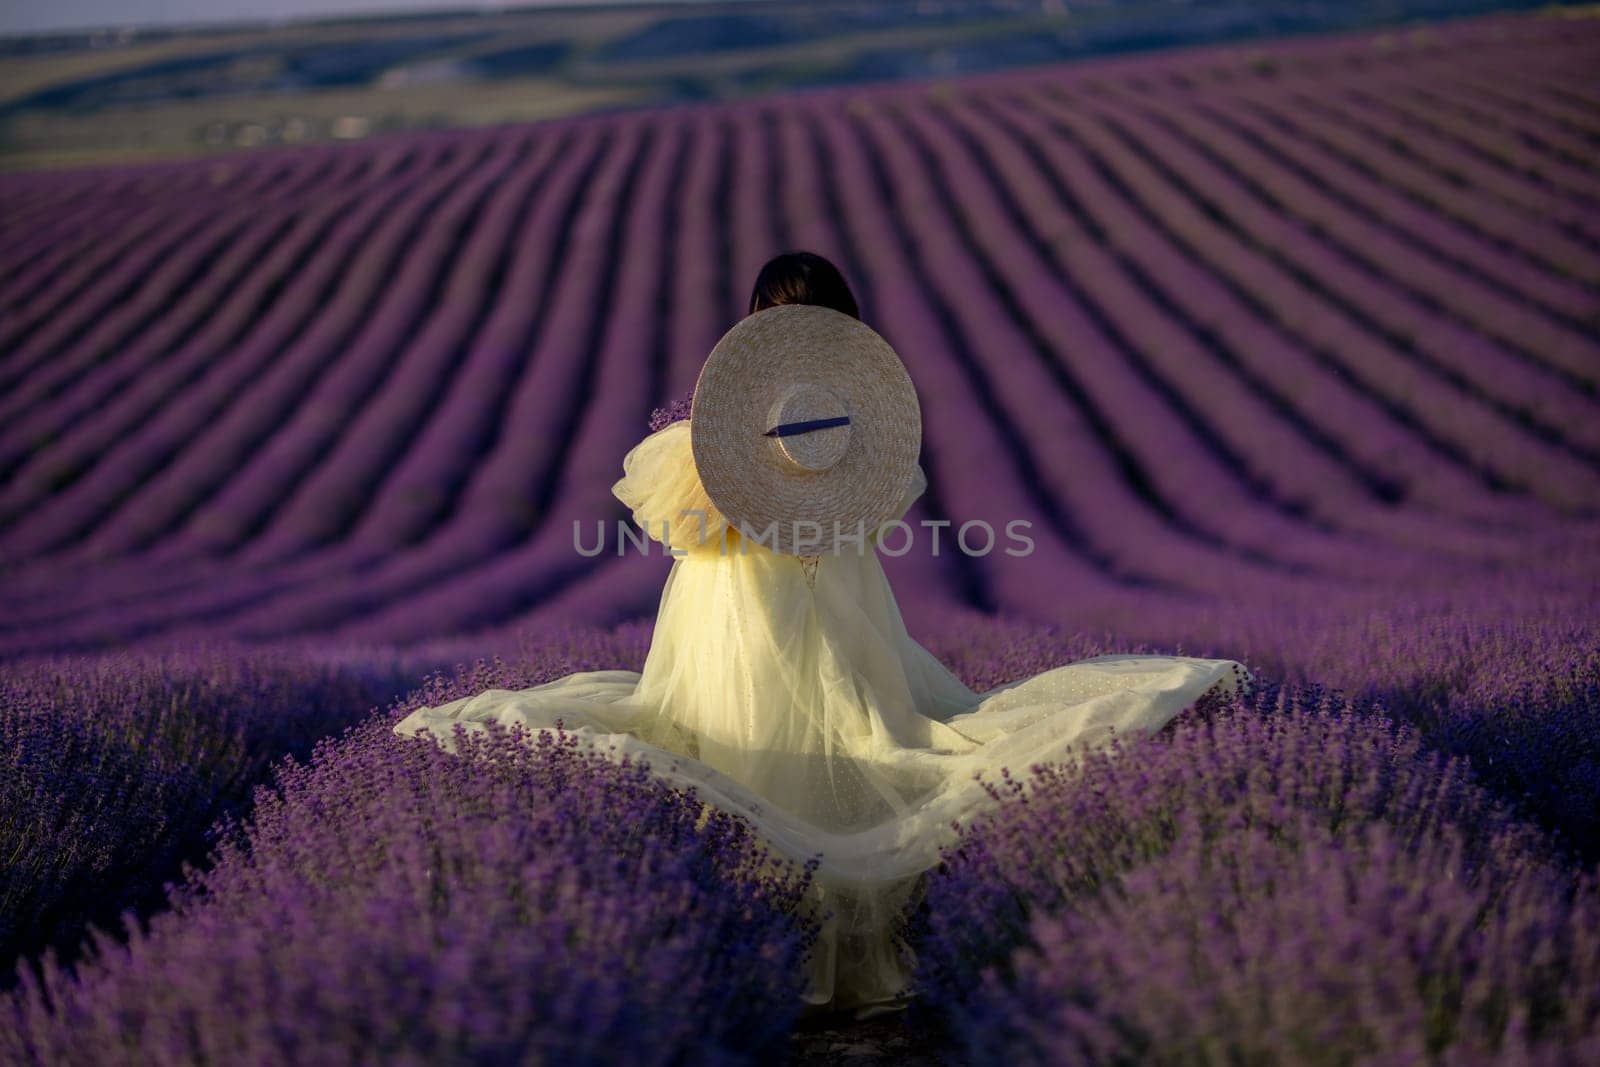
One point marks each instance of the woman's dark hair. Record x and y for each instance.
(802, 278)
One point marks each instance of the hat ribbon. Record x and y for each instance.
(789, 429)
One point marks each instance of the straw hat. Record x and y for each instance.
(804, 415)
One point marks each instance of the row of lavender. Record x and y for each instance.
(391, 902)
(1300, 338)
(114, 767)
(1290, 881)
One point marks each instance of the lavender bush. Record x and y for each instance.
(1298, 769)
(1502, 672)
(113, 766)
(1527, 713)
(392, 902)
(1293, 944)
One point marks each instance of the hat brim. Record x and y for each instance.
(746, 473)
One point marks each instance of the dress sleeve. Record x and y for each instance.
(660, 485)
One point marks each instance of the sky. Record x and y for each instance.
(38, 16)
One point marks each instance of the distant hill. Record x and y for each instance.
(85, 98)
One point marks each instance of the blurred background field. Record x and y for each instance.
(1287, 347)
(148, 90)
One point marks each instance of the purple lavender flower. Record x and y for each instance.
(514, 901)
(1297, 944)
(1158, 847)
(113, 766)
(675, 411)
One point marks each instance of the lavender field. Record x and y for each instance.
(1288, 352)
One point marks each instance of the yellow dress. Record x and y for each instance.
(807, 708)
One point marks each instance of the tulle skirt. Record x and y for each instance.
(807, 708)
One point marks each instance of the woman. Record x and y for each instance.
(800, 701)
